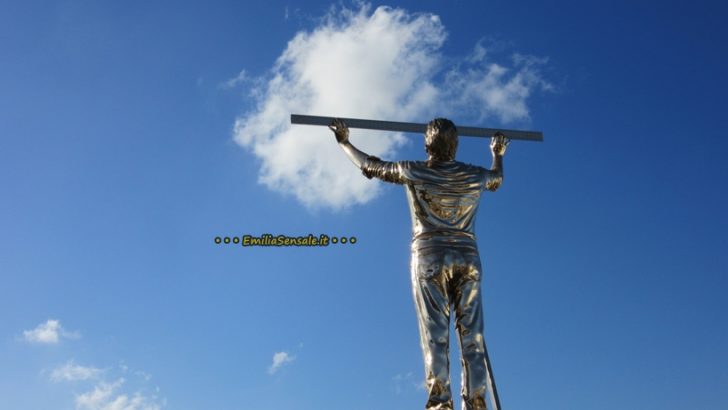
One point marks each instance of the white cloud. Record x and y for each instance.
(106, 396)
(236, 81)
(73, 372)
(384, 64)
(109, 396)
(488, 90)
(121, 394)
(279, 359)
(49, 332)
(404, 382)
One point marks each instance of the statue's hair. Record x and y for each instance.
(441, 139)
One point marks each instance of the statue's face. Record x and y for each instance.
(441, 139)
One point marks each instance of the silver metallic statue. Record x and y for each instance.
(443, 196)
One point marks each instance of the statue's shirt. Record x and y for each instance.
(443, 199)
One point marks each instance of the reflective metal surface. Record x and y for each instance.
(443, 197)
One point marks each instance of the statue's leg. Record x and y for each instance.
(429, 286)
(469, 326)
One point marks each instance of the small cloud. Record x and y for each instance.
(404, 382)
(49, 332)
(478, 53)
(105, 388)
(73, 372)
(234, 82)
(144, 375)
(109, 396)
(279, 359)
(96, 398)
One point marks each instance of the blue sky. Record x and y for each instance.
(127, 145)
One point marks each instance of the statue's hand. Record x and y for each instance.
(341, 131)
(499, 143)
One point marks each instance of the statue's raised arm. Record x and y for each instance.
(341, 131)
(498, 145)
(370, 166)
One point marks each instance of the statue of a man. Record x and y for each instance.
(443, 196)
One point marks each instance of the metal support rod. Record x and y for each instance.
(415, 127)
(494, 400)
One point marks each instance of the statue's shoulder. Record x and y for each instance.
(412, 164)
(468, 167)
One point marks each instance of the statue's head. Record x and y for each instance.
(441, 139)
